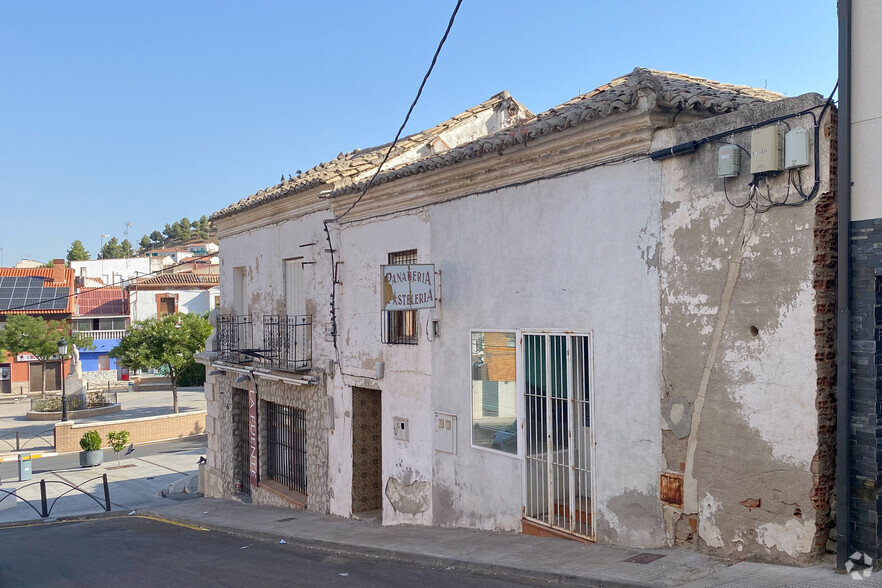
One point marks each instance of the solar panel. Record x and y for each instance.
(28, 293)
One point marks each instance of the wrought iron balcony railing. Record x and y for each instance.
(234, 338)
(287, 342)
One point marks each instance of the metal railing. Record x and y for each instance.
(47, 436)
(287, 342)
(45, 507)
(234, 338)
(105, 334)
(92, 399)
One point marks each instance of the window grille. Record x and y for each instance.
(286, 446)
(401, 327)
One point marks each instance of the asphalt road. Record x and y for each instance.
(9, 470)
(133, 551)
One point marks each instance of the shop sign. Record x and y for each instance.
(408, 287)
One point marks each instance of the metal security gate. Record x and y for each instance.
(558, 439)
(286, 445)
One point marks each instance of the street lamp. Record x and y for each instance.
(62, 351)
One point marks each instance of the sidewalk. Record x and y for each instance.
(141, 482)
(553, 560)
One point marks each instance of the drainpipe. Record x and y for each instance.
(843, 299)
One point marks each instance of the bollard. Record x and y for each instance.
(106, 494)
(45, 513)
(17, 445)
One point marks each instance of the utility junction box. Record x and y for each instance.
(767, 149)
(796, 148)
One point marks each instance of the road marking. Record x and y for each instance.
(103, 518)
(171, 522)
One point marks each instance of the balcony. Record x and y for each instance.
(287, 342)
(234, 338)
(105, 334)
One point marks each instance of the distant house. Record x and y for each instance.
(163, 294)
(111, 272)
(36, 291)
(103, 315)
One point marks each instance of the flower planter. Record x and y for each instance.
(91, 458)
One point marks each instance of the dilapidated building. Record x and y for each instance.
(612, 321)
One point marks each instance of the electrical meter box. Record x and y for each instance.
(767, 149)
(796, 148)
(729, 162)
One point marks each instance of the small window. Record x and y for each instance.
(401, 327)
(217, 301)
(166, 306)
(494, 391)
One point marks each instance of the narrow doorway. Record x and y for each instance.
(559, 445)
(241, 445)
(367, 452)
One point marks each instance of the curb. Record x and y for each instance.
(402, 556)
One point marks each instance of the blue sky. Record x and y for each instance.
(143, 113)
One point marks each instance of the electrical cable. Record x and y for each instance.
(333, 309)
(409, 111)
(112, 285)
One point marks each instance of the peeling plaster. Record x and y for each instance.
(411, 499)
(793, 538)
(707, 528)
(778, 388)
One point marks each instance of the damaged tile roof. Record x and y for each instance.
(662, 89)
(348, 165)
(109, 301)
(178, 280)
(668, 89)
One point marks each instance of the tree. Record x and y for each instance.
(156, 237)
(77, 252)
(167, 343)
(203, 228)
(168, 231)
(118, 441)
(110, 249)
(126, 249)
(145, 242)
(39, 337)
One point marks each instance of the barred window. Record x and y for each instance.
(401, 327)
(286, 446)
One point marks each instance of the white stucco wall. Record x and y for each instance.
(572, 253)
(112, 270)
(406, 385)
(143, 302)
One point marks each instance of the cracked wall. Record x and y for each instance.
(747, 344)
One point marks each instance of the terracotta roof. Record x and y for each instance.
(347, 166)
(178, 280)
(657, 88)
(61, 296)
(110, 301)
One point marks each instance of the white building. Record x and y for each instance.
(588, 336)
(163, 294)
(112, 272)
